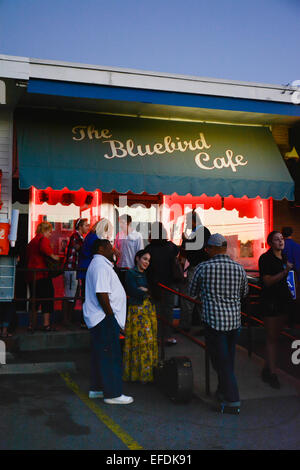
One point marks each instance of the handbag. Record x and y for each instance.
(55, 266)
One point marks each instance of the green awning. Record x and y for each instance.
(59, 149)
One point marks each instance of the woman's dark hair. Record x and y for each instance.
(79, 223)
(270, 237)
(139, 254)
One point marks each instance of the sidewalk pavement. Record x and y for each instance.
(269, 419)
(248, 370)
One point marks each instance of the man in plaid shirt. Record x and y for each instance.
(71, 262)
(221, 284)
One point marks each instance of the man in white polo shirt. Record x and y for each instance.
(104, 312)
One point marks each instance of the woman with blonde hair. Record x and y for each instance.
(37, 251)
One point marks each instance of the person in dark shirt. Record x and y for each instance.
(71, 262)
(101, 229)
(36, 252)
(276, 300)
(193, 251)
(163, 254)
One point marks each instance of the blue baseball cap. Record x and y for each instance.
(217, 240)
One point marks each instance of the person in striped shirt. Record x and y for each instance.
(221, 284)
(71, 263)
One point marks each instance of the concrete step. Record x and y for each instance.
(78, 339)
(40, 341)
(37, 368)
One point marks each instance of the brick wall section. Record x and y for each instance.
(281, 137)
(285, 215)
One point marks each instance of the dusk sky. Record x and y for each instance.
(255, 41)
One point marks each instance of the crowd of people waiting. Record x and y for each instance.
(131, 299)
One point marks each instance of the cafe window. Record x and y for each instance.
(62, 209)
(244, 222)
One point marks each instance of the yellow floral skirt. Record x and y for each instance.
(140, 352)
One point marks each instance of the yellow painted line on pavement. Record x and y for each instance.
(115, 428)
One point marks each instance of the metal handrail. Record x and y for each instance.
(249, 317)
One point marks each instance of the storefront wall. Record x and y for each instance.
(245, 222)
(64, 152)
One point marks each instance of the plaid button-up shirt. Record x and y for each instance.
(221, 284)
(73, 248)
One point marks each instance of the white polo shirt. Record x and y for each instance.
(101, 278)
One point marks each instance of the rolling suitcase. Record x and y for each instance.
(174, 377)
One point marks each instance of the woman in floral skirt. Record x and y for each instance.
(140, 354)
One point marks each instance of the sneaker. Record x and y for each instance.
(121, 400)
(95, 394)
(170, 342)
(232, 410)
